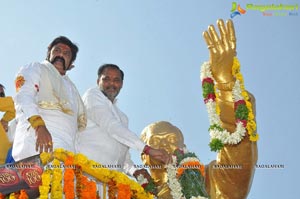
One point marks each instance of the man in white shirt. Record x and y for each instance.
(107, 138)
(49, 108)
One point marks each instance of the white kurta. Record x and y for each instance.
(52, 96)
(107, 138)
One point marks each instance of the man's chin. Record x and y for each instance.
(60, 68)
(111, 94)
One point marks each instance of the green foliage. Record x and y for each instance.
(216, 145)
(151, 187)
(192, 183)
(207, 88)
(241, 112)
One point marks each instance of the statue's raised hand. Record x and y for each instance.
(222, 49)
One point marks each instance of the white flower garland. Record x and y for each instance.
(174, 185)
(214, 119)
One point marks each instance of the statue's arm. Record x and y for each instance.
(230, 175)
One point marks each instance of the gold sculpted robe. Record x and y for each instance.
(234, 182)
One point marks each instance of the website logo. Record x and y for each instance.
(236, 10)
(270, 9)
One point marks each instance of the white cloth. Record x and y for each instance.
(54, 97)
(107, 138)
(12, 130)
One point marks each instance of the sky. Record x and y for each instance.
(159, 46)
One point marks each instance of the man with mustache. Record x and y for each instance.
(49, 108)
(107, 138)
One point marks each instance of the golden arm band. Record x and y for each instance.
(36, 121)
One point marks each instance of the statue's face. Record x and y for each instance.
(162, 135)
(168, 141)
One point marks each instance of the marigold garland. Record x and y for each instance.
(56, 185)
(124, 191)
(69, 177)
(242, 107)
(23, 195)
(88, 188)
(112, 190)
(102, 174)
(45, 187)
(78, 174)
(16, 195)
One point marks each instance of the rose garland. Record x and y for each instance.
(242, 107)
(100, 173)
(186, 176)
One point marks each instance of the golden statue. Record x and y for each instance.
(221, 182)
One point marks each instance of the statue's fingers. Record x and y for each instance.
(231, 34)
(215, 38)
(223, 33)
(210, 45)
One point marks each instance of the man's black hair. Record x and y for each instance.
(104, 66)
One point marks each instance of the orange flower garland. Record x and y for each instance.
(69, 176)
(23, 195)
(88, 188)
(124, 191)
(112, 190)
(191, 165)
(16, 195)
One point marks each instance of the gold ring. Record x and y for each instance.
(50, 143)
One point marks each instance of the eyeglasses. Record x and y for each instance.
(2, 94)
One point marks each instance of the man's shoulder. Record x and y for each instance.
(92, 92)
(94, 96)
(32, 66)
